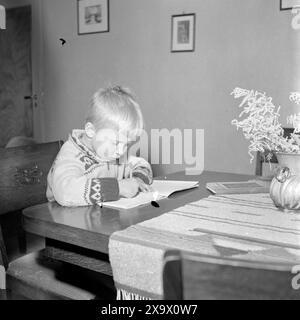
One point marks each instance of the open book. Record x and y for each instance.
(161, 189)
(239, 187)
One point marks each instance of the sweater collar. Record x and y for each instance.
(76, 138)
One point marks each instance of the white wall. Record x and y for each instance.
(238, 43)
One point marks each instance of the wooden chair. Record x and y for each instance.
(260, 158)
(19, 141)
(12, 222)
(23, 179)
(197, 277)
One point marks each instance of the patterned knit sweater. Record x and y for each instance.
(78, 177)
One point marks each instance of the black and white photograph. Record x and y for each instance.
(149, 151)
(93, 16)
(183, 32)
(289, 4)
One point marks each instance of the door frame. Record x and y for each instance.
(37, 61)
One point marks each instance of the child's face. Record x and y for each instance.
(110, 144)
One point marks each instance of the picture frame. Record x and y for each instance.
(289, 4)
(92, 16)
(183, 32)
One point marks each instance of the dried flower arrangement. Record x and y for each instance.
(261, 124)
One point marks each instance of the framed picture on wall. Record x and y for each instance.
(183, 32)
(93, 16)
(289, 4)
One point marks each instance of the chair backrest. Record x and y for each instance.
(23, 175)
(188, 277)
(19, 141)
(23, 180)
(260, 158)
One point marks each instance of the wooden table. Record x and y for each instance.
(80, 235)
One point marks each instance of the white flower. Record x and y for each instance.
(295, 97)
(261, 123)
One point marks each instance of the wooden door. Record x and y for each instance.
(16, 114)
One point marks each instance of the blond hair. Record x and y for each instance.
(115, 107)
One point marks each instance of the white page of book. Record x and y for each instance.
(161, 189)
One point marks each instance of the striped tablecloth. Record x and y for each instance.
(244, 226)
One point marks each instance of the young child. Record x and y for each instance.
(93, 165)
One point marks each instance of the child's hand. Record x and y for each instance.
(128, 188)
(143, 186)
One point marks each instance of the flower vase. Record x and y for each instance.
(285, 186)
